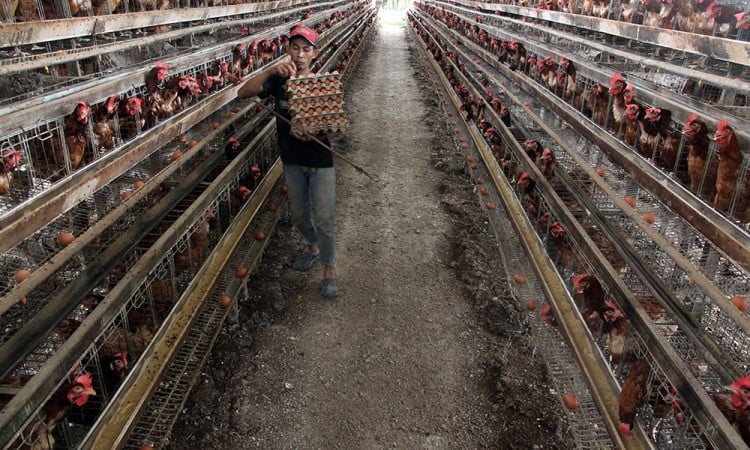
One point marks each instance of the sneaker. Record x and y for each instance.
(305, 261)
(328, 288)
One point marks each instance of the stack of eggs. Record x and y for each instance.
(316, 102)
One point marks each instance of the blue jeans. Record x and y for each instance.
(312, 198)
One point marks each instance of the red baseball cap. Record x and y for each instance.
(305, 32)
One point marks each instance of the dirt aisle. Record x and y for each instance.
(408, 356)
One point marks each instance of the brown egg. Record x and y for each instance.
(65, 238)
(21, 274)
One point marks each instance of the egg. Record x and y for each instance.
(65, 238)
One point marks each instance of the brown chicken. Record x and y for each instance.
(698, 154)
(669, 153)
(598, 102)
(104, 123)
(730, 161)
(76, 133)
(9, 161)
(526, 187)
(118, 348)
(548, 163)
(38, 434)
(570, 71)
(517, 56)
(654, 125)
(633, 113)
(130, 120)
(266, 51)
(741, 402)
(533, 149)
(616, 327)
(633, 391)
(564, 252)
(734, 407)
(617, 89)
(589, 296)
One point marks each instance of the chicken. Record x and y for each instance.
(102, 7)
(129, 115)
(702, 21)
(570, 79)
(76, 133)
(227, 75)
(266, 51)
(633, 391)
(598, 102)
(6, 180)
(730, 162)
(9, 161)
(660, 13)
(743, 20)
(732, 406)
(505, 116)
(669, 152)
(533, 149)
(628, 10)
(741, 403)
(564, 253)
(518, 56)
(531, 63)
(549, 75)
(496, 143)
(232, 148)
(698, 147)
(589, 296)
(549, 163)
(726, 18)
(617, 89)
(188, 89)
(104, 124)
(632, 115)
(159, 103)
(120, 343)
(155, 78)
(653, 125)
(238, 197)
(38, 435)
(526, 187)
(615, 327)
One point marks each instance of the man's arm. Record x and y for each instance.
(254, 86)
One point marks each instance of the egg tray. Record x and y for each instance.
(316, 102)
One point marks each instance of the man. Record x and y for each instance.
(308, 166)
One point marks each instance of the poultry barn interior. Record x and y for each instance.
(603, 143)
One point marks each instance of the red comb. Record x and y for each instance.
(85, 380)
(692, 118)
(615, 78)
(160, 64)
(722, 126)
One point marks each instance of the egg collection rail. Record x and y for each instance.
(665, 315)
(94, 304)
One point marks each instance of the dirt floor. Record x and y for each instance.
(424, 348)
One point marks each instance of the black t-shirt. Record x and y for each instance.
(294, 151)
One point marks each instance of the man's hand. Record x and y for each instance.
(286, 69)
